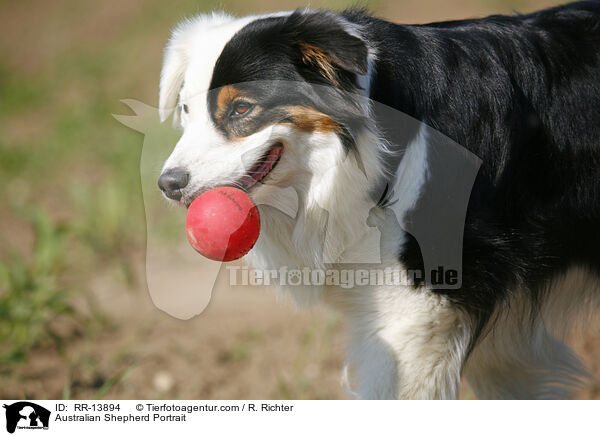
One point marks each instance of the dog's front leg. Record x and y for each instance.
(406, 344)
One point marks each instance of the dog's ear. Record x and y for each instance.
(177, 56)
(328, 42)
(175, 62)
(171, 78)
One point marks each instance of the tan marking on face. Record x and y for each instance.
(314, 55)
(225, 96)
(308, 119)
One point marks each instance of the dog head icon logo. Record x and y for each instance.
(26, 415)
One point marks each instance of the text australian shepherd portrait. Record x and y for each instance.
(366, 120)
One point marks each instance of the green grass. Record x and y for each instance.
(242, 349)
(71, 181)
(31, 299)
(85, 373)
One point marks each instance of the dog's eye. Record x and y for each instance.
(185, 108)
(241, 108)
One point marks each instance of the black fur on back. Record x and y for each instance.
(522, 93)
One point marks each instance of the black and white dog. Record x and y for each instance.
(520, 92)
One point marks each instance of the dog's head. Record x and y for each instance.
(270, 99)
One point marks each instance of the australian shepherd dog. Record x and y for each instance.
(482, 134)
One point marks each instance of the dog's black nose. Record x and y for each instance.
(172, 181)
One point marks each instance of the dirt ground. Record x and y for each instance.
(245, 345)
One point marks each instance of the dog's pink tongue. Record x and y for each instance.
(262, 167)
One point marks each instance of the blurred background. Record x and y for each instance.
(76, 319)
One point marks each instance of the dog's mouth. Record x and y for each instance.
(261, 168)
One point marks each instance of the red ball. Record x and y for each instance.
(223, 224)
